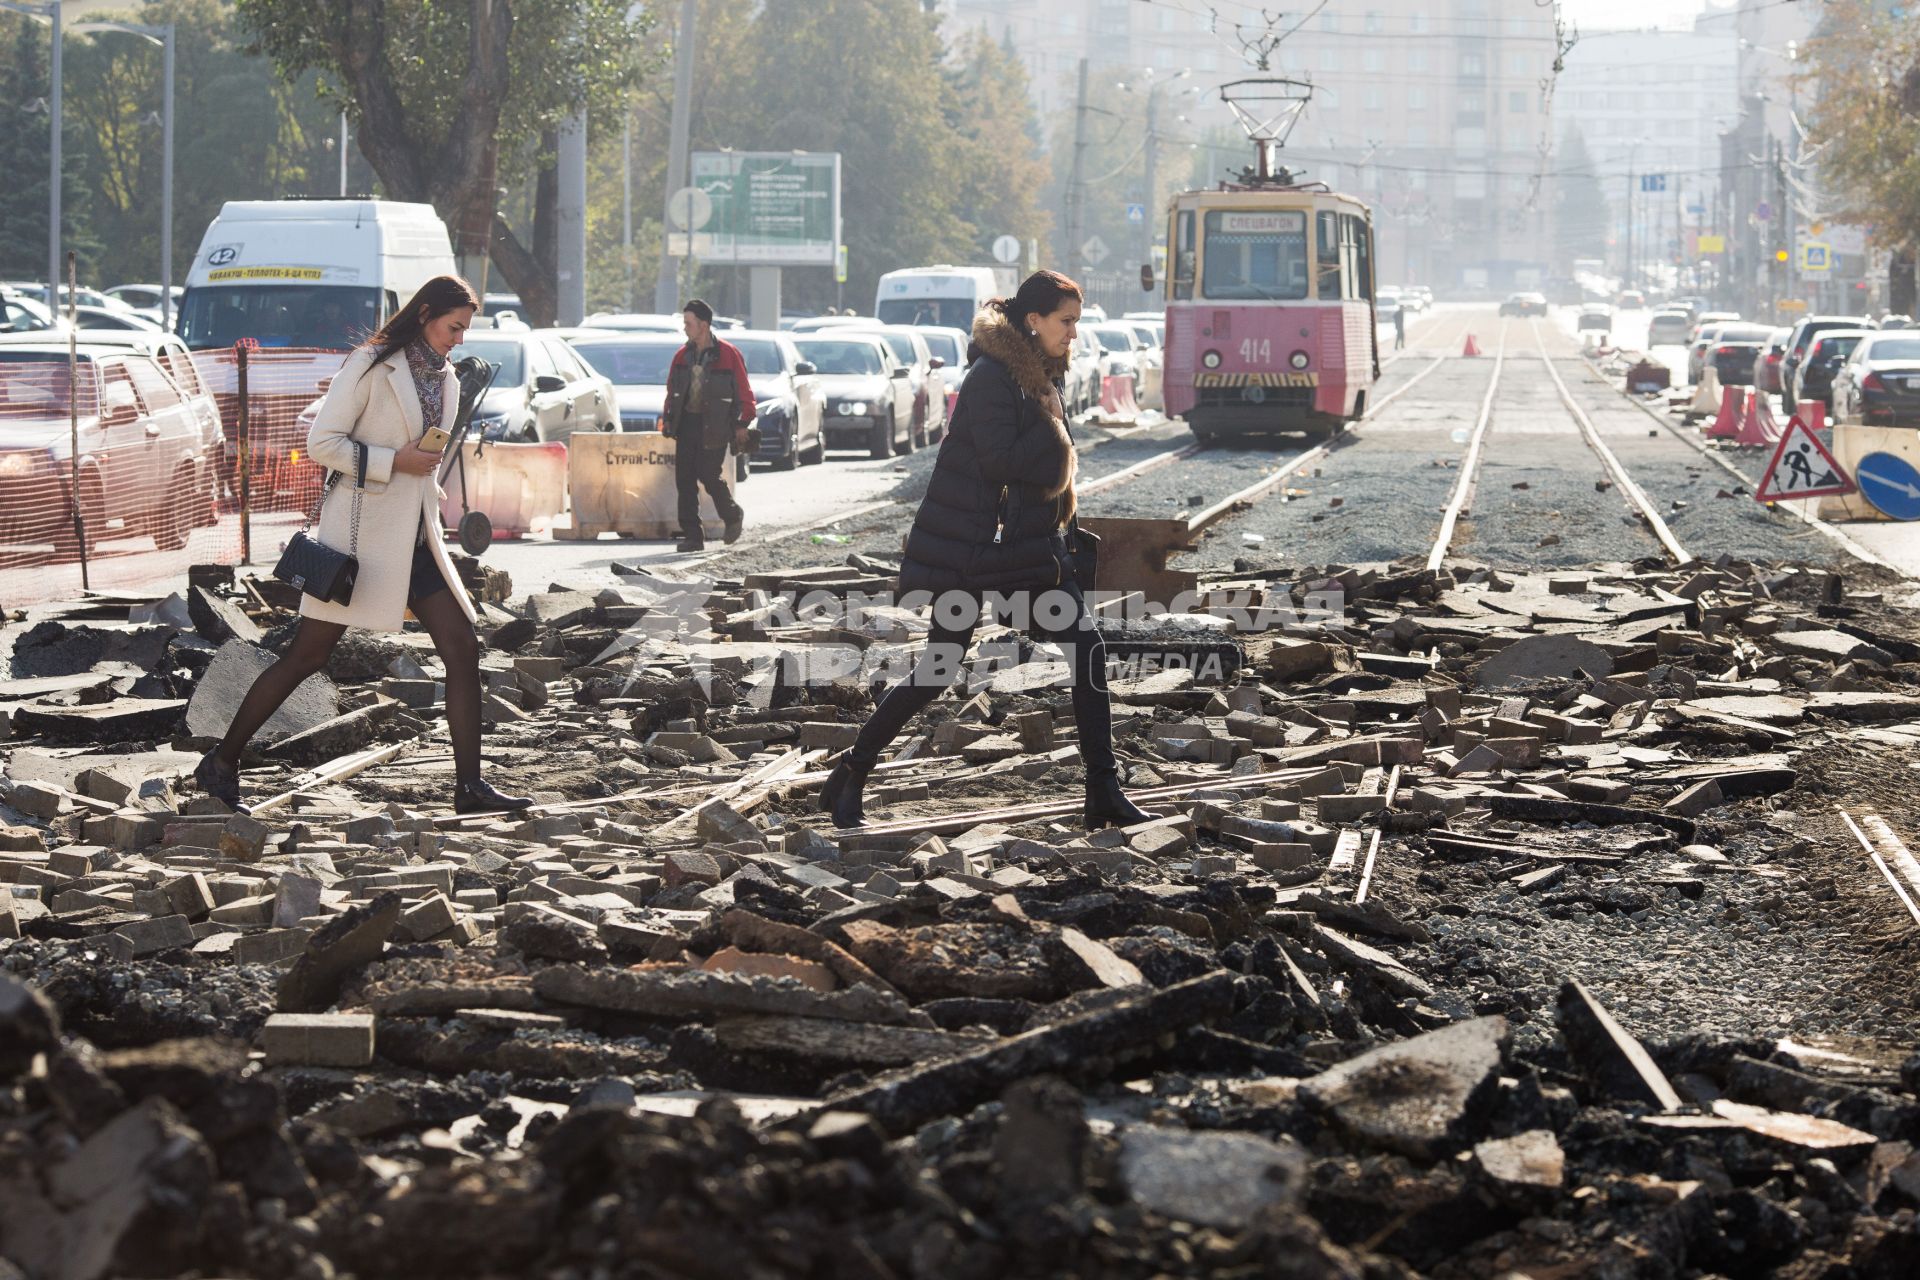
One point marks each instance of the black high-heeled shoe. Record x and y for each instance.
(841, 796)
(218, 779)
(478, 796)
(1107, 805)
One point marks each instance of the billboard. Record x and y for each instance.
(769, 208)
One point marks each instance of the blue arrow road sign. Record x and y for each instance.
(1891, 484)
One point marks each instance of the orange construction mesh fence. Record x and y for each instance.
(160, 439)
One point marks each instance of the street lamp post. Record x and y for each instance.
(161, 36)
(48, 11)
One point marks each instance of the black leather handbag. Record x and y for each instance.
(1084, 548)
(309, 565)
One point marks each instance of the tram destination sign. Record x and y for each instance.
(770, 208)
(1273, 222)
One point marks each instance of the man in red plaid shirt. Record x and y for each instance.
(709, 405)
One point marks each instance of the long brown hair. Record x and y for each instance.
(1039, 294)
(437, 296)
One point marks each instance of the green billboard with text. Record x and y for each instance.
(770, 208)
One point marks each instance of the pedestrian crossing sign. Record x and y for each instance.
(1802, 468)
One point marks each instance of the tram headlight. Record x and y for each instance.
(1298, 360)
(1211, 359)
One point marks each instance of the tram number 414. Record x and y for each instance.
(1254, 351)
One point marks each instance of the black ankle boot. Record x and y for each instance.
(841, 795)
(1107, 804)
(478, 796)
(218, 779)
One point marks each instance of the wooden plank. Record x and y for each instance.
(1879, 862)
(333, 771)
(1366, 873)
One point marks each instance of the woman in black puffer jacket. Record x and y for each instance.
(995, 519)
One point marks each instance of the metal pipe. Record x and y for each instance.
(166, 181)
(53, 194)
(73, 418)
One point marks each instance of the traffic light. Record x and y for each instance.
(1779, 255)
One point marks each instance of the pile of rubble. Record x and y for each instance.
(1351, 1007)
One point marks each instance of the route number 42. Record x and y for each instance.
(1258, 351)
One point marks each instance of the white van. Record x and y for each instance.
(945, 297)
(308, 273)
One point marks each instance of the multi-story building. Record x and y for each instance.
(1435, 112)
(1651, 107)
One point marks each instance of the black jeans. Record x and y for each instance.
(940, 663)
(694, 465)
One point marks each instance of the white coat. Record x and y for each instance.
(376, 404)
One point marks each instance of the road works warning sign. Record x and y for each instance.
(1801, 468)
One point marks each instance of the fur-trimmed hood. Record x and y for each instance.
(994, 334)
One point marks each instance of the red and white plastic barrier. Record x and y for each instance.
(521, 488)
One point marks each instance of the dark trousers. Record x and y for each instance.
(940, 664)
(694, 466)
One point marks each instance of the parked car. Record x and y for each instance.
(543, 390)
(1386, 304)
(1704, 336)
(1894, 320)
(633, 322)
(951, 346)
(1082, 380)
(1766, 364)
(929, 387)
(1524, 304)
(1152, 362)
(787, 397)
(21, 314)
(144, 297)
(1596, 316)
(1734, 349)
(869, 392)
(113, 318)
(813, 324)
(1825, 354)
(1121, 354)
(145, 460)
(81, 297)
(1669, 328)
(1879, 385)
(1632, 300)
(1801, 339)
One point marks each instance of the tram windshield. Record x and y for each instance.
(1255, 255)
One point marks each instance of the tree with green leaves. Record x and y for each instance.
(452, 100)
(1580, 212)
(238, 134)
(1863, 72)
(25, 142)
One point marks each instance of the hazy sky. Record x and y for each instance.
(1596, 15)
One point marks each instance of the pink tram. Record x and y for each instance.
(1269, 293)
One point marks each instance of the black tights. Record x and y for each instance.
(940, 663)
(313, 644)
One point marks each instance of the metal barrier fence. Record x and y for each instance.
(161, 479)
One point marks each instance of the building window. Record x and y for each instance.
(1517, 102)
(1473, 66)
(1373, 22)
(1417, 97)
(1416, 135)
(1370, 60)
(1517, 64)
(1329, 22)
(1418, 23)
(1417, 60)
(1375, 101)
(1329, 60)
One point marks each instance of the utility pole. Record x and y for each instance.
(666, 289)
(1627, 278)
(626, 196)
(1148, 203)
(1074, 196)
(1785, 214)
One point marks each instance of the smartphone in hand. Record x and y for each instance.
(435, 440)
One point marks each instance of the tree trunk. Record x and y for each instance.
(455, 174)
(533, 270)
(1902, 296)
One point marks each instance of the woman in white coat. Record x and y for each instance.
(381, 401)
